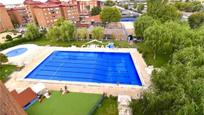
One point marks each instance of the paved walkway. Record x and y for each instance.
(18, 82)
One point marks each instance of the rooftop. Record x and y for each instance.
(24, 97)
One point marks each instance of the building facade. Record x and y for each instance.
(85, 6)
(8, 104)
(18, 16)
(45, 14)
(5, 21)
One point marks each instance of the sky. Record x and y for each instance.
(5, 2)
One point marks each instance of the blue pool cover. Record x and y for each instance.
(97, 67)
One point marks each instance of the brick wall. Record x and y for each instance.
(8, 105)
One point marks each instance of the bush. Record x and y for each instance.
(3, 58)
(189, 6)
(196, 19)
(9, 38)
(140, 8)
(12, 43)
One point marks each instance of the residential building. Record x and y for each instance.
(85, 6)
(29, 6)
(18, 16)
(45, 14)
(70, 11)
(8, 104)
(5, 21)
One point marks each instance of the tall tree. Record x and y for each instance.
(159, 9)
(62, 30)
(82, 33)
(95, 11)
(143, 23)
(140, 7)
(32, 32)
(109, 3)
(98, 32)
(109, 14)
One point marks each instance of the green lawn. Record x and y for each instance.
(108, 107)
(68, 104)
(5, 71)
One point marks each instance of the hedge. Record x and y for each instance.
(12, 43)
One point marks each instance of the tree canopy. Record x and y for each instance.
(82, 33)
(189, 6)
(143, 23)
(167, 38)
(196, 19)
(109, 3)
(97, 32)
(159, 9)
(62, 30)
(95, 11)
(32, 32)
(109, 14)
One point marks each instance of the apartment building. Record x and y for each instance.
(45, 14)
(18, 16)
(29, 6)
(85, 6)
(70, 11)
(5, 21)
(8, 104)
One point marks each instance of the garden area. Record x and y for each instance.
(72, 104)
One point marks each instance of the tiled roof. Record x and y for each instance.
(24, 97)
(93, 18)
(32, 2)
(47, 5)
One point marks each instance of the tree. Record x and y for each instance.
(32, 32)
(125, 6)
(140, 7)
(109, 14)
(135, 5)
(159, 9)
(9, 37)
(188, 6)
(62, 30)
(167, 38)
(97, 32)
(95, 11)
(3, 59)
(143, 23)
(190, 56)
(82, 33)
(109, 3)
(196, 20)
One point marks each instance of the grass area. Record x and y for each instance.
(5, 71)
(108, 107)
(148, 56)
(68, 104)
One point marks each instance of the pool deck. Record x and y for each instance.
(18, 82)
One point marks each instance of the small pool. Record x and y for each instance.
(78, 66)
(16, 52)
(127, 19)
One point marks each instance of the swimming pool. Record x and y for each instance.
(16, 52)
(94, 67)
(129, 19)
